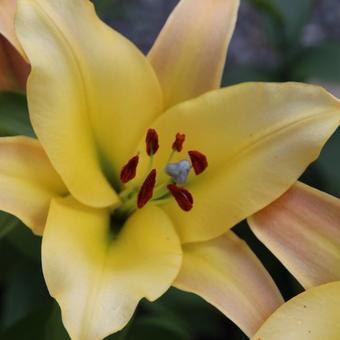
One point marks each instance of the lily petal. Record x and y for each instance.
(91, 94)
(226, 273)
(14, 69)
(28, 181)
(7, 16)
(312, 315)
(258, 138)
(302, 228)
(190, 52)
(98, 279)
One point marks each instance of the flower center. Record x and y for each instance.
(159, 193)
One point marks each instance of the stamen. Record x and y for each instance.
(199, 161)
(182, 196)
(179, 171)
(128, 171)
(178, 143)
(151, 141)
(146, 191)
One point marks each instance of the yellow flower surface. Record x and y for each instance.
(143, 165)
(312, 315)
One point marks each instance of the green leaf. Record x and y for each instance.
(7, 223)
(151, 327)
(320, 62)
(108, 8)
(9, 257)
(25, 291)
(178, 306)
(25, 241)
(269, 7)
(54, 329)
(14, 119)
(327, 167)
(153, 320)
(28, 328)
(238, 73)
(295, 14)
(290, 15)
(122, 335)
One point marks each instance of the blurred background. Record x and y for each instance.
(275, 40)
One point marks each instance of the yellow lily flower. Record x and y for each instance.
(312, 315)
(116, 227)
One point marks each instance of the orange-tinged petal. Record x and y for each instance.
(226, 273)
(302, 228)
(7, 16)
(28, 181)
(98, 278)
(258, 139)
(312, 315)
(190, 52)
(14, 68)
(91, 94)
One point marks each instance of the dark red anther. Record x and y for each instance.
(146, 191)
(199, 161)
(128, 171)
(151, 141)
(182, 196)
(178, 143)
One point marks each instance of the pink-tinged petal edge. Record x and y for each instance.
(226, 273)
(14, 68)
(189, 54)
(302, 229)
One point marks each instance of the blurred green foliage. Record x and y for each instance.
(26, 310)
(320, 62)
(14, 115)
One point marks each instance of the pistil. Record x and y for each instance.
(134, 198)
(179, 171)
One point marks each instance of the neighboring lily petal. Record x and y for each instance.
(226, 273)
(14, 69)
(91, 94)
(97, 278)
(312, 315)
(258, 138)
(7, 16)
(302, 228)
(190, 52)
(27, 180)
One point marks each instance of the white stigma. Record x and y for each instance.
(179, 171)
